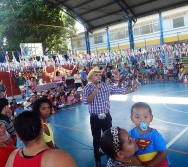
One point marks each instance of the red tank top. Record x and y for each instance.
(28, 161)
(5, 152)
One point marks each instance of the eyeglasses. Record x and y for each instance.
(114, 132)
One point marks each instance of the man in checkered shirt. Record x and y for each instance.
(96, 95)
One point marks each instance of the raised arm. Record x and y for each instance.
(88, 96)
(92, 96)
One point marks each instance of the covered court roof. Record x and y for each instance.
(95, 14)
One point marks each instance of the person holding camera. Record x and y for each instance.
(96, 94)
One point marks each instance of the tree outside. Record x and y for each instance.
(34, 21)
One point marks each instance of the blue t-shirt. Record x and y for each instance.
(148, 145)
(83, 75)
(18, 110)
(152, 70)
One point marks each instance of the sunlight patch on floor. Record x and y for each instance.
(118, 97)
(160, 99)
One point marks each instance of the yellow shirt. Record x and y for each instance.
(51, 136)
(182, 69)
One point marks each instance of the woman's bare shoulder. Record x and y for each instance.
(11, 158)
(58, 158)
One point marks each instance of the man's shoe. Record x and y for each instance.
(97, 164)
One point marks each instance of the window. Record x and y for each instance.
(78, 44)
(155, 27)
(127, 33)
(178, 22)
(186, 20)
(117, 34)
(167, 25)
(145, 29)
(136, 31)
(121, 34)
(113, 36)
(98, 38)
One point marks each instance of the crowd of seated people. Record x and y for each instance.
(58, 96)
(141, 73)
(124, 76)
(116, 76)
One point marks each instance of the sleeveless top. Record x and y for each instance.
(5, 152)
(28, 161)
(51, 136)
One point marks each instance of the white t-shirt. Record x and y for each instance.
(40, 81)
(165, 71)
(77, 78)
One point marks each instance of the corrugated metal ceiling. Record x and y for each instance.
(94, 14)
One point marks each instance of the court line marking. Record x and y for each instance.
(173, 92)
(158, 93)
(79, 125)
(65, 127)
(73, 128)
(173, 140)
(177, 137)
(178, 151)
(67, 108)
(172, 123)
(175, 109)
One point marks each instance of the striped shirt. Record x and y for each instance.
(101, 102)
(8, 124)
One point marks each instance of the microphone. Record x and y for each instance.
(99, 81)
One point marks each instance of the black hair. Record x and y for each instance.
(57, 72)
(19, 105)
(62, 93)
(70, 91)
(38, 102)
(3, 103)
(48, 92)
(100, 68)
(141, 105)
(28, 126)
(107, 145)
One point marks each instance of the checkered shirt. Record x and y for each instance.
(101, 102)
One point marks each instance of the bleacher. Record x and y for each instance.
(10, 83)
